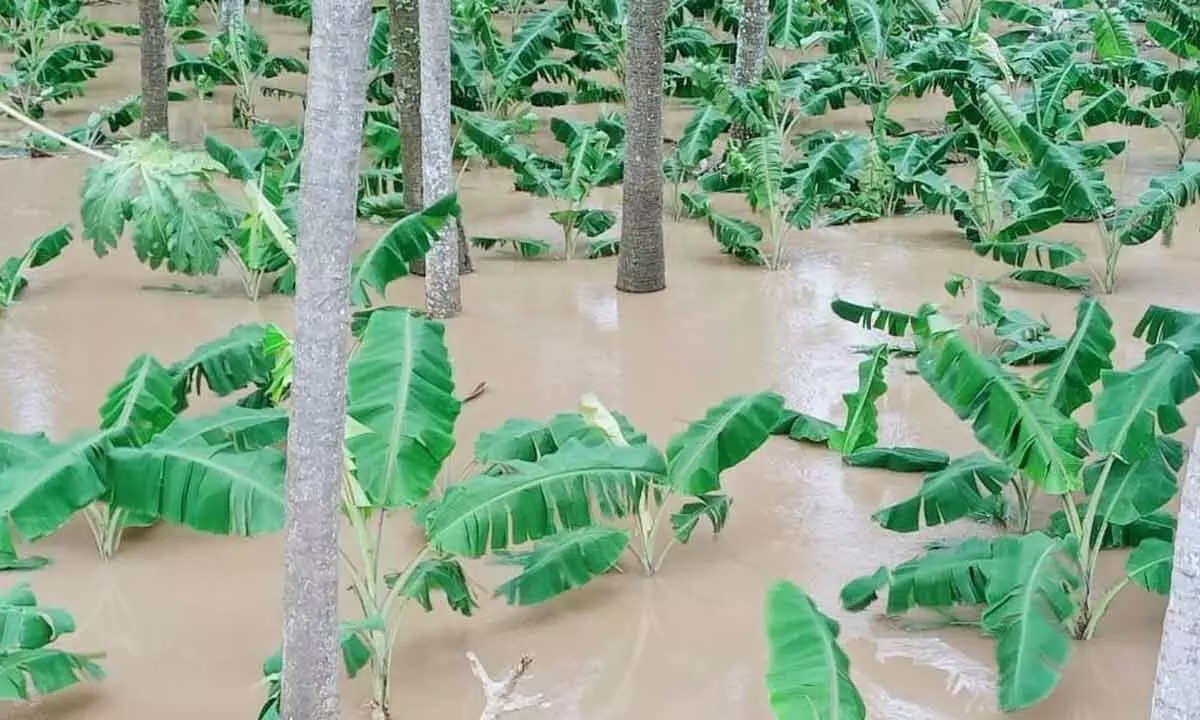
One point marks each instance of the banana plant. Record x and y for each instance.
(43, 249)
(593, 156)
(498, 78)
(1019, 339)
(1048, 179)
(785, 186)
(598, 40)
(856, 438)
(241, 59)
(595, 453)
(1111, 476)
(145, 456)
(1023, 339)
(1176, 28)
(31, 665)
(55, 52)
(400, 433)
(690, 158)
(264, 239)
(808, 673)
(106, 126)
(871, 34)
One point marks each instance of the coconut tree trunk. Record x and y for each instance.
(641, 265)
(405, 38)
(230, 11)
(751, 48)
(332, 138)
(404, 25)
(154, 67)
(1176, 690)
(443, 294)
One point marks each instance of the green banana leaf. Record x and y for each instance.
(29, 666)
(727, 435)
(808, 673)
(561, 562)
(862, 419)
(401, 387)
(532, 501)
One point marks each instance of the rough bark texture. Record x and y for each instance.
(641, 266)
(404, 25)
(443, 294)
(230, 11)
(404, 35)
(154, 68)
(332, 138)
(1176, 690)
(751, 48)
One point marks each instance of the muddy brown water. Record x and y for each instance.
(186, 619)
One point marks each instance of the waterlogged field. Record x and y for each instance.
(762, 433)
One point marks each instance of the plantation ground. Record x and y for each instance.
(186, 619)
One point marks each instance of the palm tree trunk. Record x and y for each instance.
(332, 138)
(154, 68)
(230, 11)
(405, 38)
(1176, 692)
(443, 294)
(404, 26)
(641, 265)
(751, 49)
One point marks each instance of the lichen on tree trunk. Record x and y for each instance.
(1176, 690)
(333, 125)
(641, 265)
(443, 294)
(154, 68)
(751, 49)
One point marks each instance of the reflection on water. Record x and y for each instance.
(24, 373)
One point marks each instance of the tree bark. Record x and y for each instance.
(751, 49)
(229, 12)
(404, 25)
(154, 68)
(443, 294)
(333, 126)
(641, 262)
(1176, 691)
(405, 38)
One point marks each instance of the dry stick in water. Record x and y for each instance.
(501, 696)
(24, 119)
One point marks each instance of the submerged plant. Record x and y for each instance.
(29, 665)
(808, 673)
(146, 460)
(240, 58)
(55, 51)
(497, 78)
(179, 219)
(856, 439)
(1111, 476)
(593, 156)
(43, 249)
(617, 466)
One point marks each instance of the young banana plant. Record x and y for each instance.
(593, 156)
(55, 51)
(240, 58)
(1112, 477)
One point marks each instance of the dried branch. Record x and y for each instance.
(501, 696)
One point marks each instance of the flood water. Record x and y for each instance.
(186, 619)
